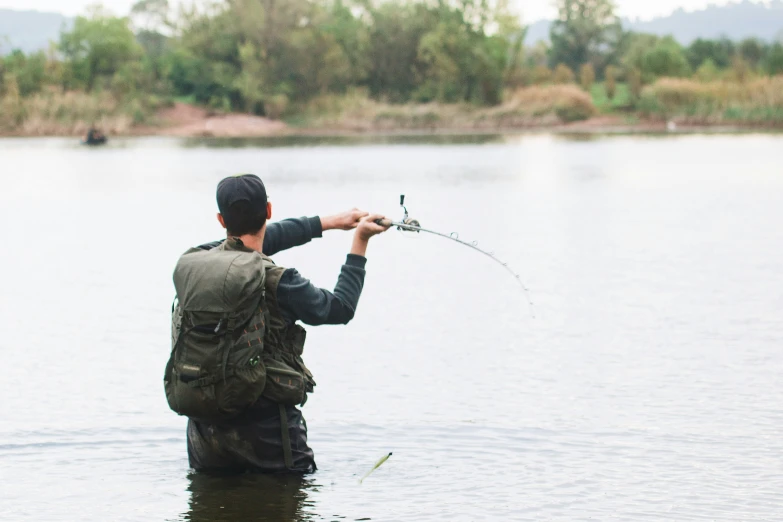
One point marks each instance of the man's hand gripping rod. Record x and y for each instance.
(408, 224)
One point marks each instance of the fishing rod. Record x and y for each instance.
(408, 224)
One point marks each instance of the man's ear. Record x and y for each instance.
(269, 210)
(220, 219)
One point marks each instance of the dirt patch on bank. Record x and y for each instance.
(190, 121)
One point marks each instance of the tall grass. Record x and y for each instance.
(756, 101)
(530, 106)
(73, 113)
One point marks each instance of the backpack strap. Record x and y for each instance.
(273, 275)
(225, 342)
(286, 438)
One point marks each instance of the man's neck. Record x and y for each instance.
(254, 241)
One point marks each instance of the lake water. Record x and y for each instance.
(647, 387)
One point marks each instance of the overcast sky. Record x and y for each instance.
(532, 10)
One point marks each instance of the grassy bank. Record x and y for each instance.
(754, 102)
(528, 107)
(55, 113)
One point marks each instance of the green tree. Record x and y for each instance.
(719, 51)
(250, 81)
(636, 45)
(752, 51)
(317, 64)
(293, 55)
(351, 32)
(150, 18)
(666, 58)
(773, 63)
(442, 51)
(204, 62)
(708, 71)
(461, 61)
(396, 30)
(151, 15)
(516, 72)
(28, 70)
(98, 46)
(585, 31)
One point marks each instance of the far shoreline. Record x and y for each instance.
(585, 128)
(188, 121)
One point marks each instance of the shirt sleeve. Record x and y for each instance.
(285, 234)
(290, 233)
(300, 300)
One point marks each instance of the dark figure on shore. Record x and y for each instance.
(95, 137)
(236, 367)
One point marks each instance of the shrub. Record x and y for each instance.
(72, 113)
(567, 102)
(755, 101)
(536, 105)
(541, 74)
(563, 74)
(587, 76)
(275, 106)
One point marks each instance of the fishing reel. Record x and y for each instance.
(406, 224)
(407, 220)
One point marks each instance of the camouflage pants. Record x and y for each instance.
(252, 442)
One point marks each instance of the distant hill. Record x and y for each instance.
(737, 21)
(33, 30)
(29, 30)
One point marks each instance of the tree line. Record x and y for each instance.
(267, 56)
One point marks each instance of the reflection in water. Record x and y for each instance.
(370, 139)
(273, 497)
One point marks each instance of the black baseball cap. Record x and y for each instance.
(242, 187)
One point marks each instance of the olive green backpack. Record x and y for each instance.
(216, 370)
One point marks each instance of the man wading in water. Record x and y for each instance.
(236, 367)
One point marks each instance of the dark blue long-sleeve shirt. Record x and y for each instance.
(297, 297)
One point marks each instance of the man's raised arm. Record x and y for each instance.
(300, 300)
(294, 232)
(290, 233)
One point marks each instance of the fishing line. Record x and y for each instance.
(412, 225)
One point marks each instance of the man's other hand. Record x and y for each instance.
(344, 221)
(368, 226)
(366, 229)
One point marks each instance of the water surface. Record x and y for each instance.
(647, 387)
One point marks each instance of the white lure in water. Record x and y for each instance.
(377, 465)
